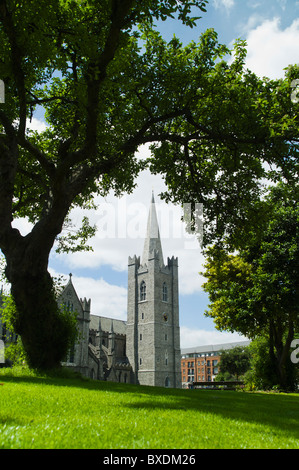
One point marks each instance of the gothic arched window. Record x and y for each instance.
(165, 295)
(72, 354)
(143, 291)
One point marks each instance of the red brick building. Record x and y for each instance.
(202, 364)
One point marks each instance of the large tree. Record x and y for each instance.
(80, 61)
(108, 84)
(234, 363)
(240, 134)
(255, 291)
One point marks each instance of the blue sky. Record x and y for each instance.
(271, 29)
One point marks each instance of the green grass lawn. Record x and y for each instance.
(67, 413)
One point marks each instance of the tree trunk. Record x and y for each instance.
(39, 323)
(44, 330)
(282, 356)
(285, 366)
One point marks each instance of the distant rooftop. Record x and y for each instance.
(214, 347)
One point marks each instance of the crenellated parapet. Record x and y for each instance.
(134, 260)
(173, 261)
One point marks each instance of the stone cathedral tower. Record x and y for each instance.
(152, 330)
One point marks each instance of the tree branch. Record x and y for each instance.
(95, 75)
(39, 155)
(16, 63)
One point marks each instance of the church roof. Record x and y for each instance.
(152, 241)
(107, 324)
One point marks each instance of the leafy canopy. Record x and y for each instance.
(109, 83)
(258, 285)
(80, 61)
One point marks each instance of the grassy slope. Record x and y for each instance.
(37, 412)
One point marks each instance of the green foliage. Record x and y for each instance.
(108, 84)
(9, 312)
(76, 240)
(260, 282)
(255, 291)
(15, 353)
(69, 319)
(66, 328)
(224, 376)
(262, 374)
(229, 284)
(83, 63)
(240, 135)
(234, 362)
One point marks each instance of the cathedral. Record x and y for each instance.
(145, 349)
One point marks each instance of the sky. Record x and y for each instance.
(271, 30)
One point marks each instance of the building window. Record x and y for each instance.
(165, 337)
(140, 337)
(140, 361)
(72, 354)
(165, 296)
(142, 316)
(143, 291)
(69, 306)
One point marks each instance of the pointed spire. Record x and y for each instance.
(152, 241)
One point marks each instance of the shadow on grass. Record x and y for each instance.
(280, 411)
(277, 411)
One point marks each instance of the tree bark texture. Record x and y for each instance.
(281, 358)
(39, 322)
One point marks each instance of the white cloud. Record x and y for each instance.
(252, 22)
(129, 216)
(196, 337)
(270, 48)
(36, 125)
(107, 300)
(122, 229)
(227, 4)
(111, 301)
(22, 225)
